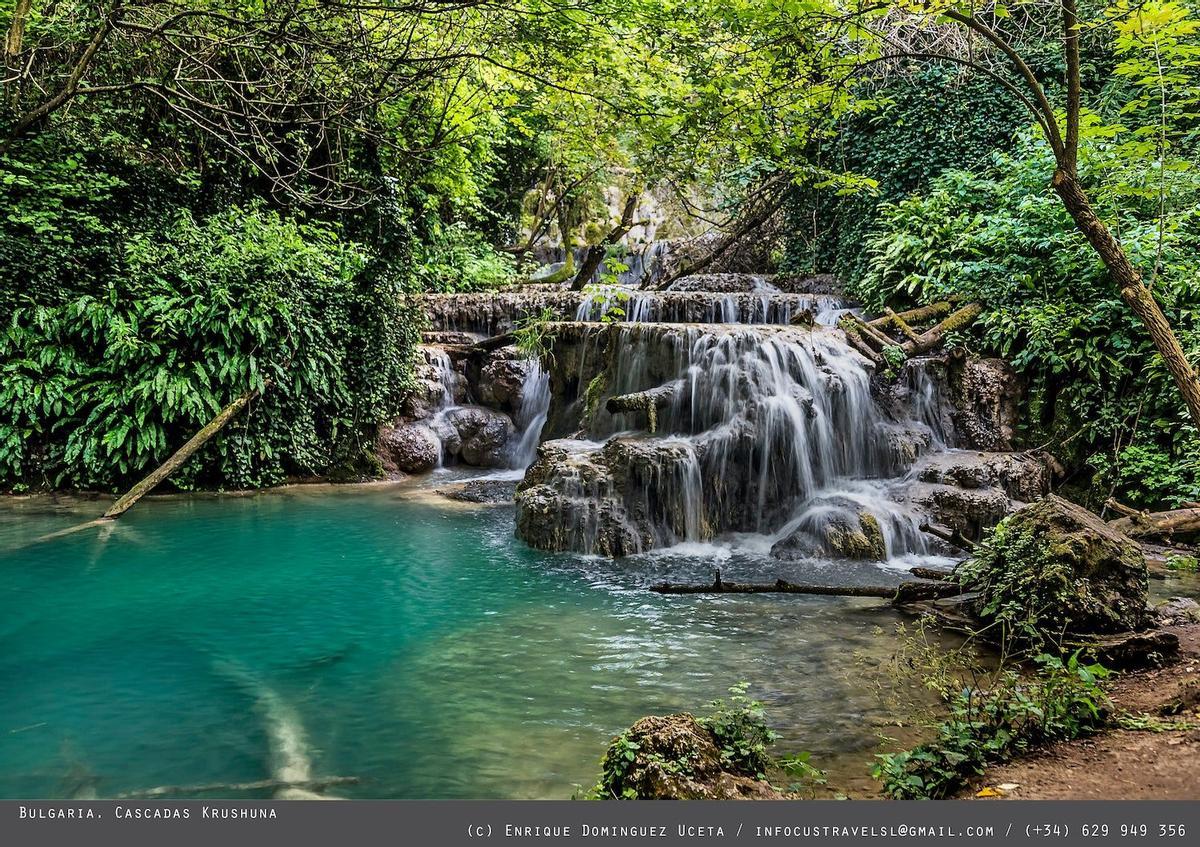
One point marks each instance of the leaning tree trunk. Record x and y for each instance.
(595, 254)
(1133, 291)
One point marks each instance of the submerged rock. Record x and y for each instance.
(1056, 567)
(483, 491)
(409, 448)
(674, 758)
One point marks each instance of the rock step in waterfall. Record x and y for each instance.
(690, 414)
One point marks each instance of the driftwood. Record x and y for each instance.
(913, 316)
(931, 338)
(641, 401)
(950, 536)
(159, 474)
(1158, 524)
(904, 592)
(314, 785)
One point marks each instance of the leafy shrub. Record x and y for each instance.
(1058, 700)
(103, 385)
(454, 258)
(739, 727)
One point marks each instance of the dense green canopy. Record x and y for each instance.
(200, 194)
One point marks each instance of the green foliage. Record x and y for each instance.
(1183, 564)
(1014, 713)
(534, 335)
(454, 258)
(105, 377)
(610, 297)
(902, 136)
(1094, 380)
(1149, 477)
(739, 727)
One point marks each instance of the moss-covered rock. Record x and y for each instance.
(674, 758)
(1054, 568)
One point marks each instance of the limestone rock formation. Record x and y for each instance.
(484, 435)
(409, 448)
(970, 491)
(497, 381)
(675, 759)
(986, 394)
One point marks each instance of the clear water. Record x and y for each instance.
(388, 634)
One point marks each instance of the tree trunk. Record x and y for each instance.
(595, 254)
(906, 591)
(181, 455)
(1133, 291)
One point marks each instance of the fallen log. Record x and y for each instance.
(950, 536)
(904, 592)
(901, 324)
(159, 474)
(870, 333)
(931, 338)
(914, 316)
(855, 339)
(641, 401)
(493, 343)
(1159, 524)
(931, 573)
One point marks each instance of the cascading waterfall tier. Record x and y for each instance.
(499, 313)
(717, 429)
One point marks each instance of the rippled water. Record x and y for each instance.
(387, 634)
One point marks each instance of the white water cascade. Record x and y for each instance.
(746, 429)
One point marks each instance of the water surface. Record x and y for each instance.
(387, 634)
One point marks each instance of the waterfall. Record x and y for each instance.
(764, 429)
(765, 307)
(531, 414)
(927, 400)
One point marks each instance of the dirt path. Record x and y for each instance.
(1123, 764)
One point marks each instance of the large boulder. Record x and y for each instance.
(1054, 568)
(409, 448)
(484, 435)
(674, 758)
(500, 379)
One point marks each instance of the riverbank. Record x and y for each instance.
(1154, 762)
